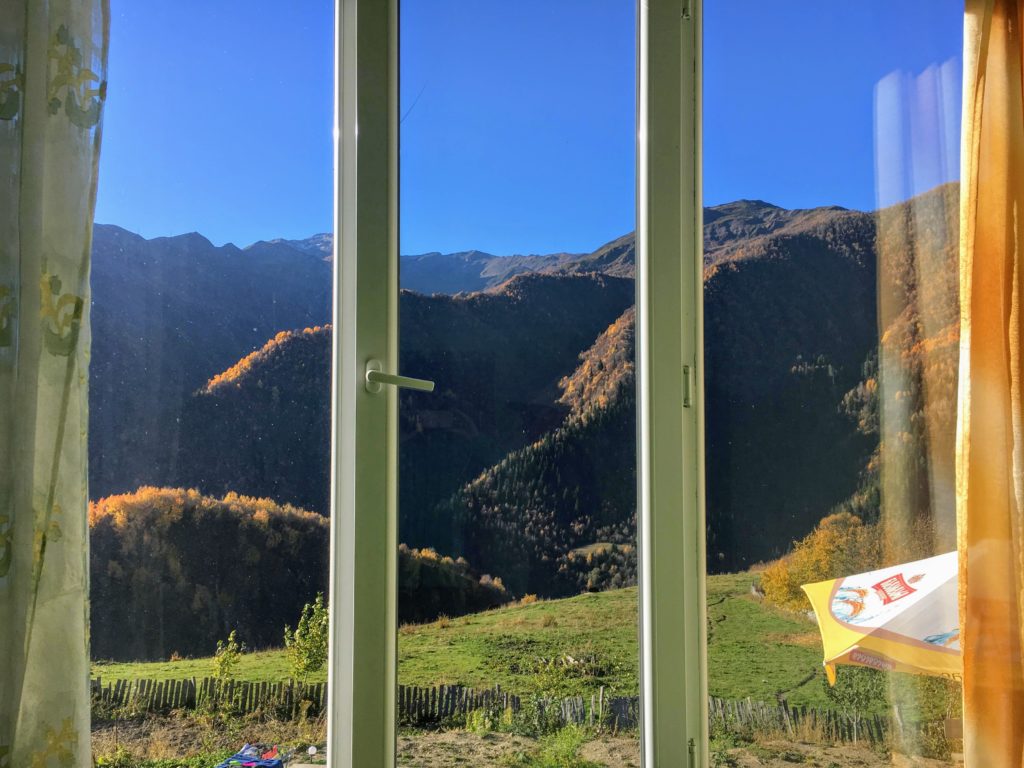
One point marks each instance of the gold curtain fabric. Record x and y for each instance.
(990, 439)
(52, 85)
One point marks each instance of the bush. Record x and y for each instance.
(841, 544)
(226, 657)
(307, 645)
(558, 750)
(858, 692)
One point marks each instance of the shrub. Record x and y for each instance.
(858, 692)
(226, 657)
(841, 544)
(557, 750)
(307, 645)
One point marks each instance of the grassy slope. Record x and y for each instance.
(754, 650)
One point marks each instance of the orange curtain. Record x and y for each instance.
(990, 433)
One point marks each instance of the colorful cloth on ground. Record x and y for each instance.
(254, 756)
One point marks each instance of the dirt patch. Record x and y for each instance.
(186, 736)
(782, 754)
(458, 749)
(613, 751)
(802, 639)
(159, 738)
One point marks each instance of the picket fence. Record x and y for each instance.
(747, 716)
(416, 706)
(241, 696)
(426, 706)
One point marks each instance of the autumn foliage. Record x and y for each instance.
(174, 571)
(840, 545)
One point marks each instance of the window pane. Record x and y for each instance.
(210, 375)
(831, 347)
(517, 489)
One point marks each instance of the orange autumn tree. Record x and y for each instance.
(841, 544)
(172, 570)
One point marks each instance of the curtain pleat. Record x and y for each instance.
(990, 432)
(53, 56)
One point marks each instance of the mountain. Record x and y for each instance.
(568, 490)
(789, 320)
(261, 427)
(167, 314)
(792, 432)
(522, 459)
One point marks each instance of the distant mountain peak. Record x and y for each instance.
(321, 245)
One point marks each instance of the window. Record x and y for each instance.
(831, 345)
(368, 515)
(210, 380)
(513, 549)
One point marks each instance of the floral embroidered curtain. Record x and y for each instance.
(53, 56)
(990, 450)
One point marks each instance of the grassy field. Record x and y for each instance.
(754, 650)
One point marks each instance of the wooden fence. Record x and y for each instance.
(419, 706)
(426, 706)
(161, 696)
(747, 716)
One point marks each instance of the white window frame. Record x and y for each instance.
(363, 641)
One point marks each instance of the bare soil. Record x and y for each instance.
(169, 737)
(786, 754)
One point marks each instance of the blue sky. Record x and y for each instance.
(518, 118)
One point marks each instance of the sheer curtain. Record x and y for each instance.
(990, 450)
(52, 85)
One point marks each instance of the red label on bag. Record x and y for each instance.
(893, 588)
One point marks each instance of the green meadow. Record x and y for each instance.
(570, 646)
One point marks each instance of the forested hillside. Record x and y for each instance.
(173, 571)
(523, 459)
(167, 314)
(574, 487)
(789, 318)
(261, 427)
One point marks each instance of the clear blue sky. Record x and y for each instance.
(518, 123)
(218, 118)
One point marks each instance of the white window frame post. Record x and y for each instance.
(363, 574)
(670, 424)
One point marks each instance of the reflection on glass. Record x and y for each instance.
(517, 480)
(832, 331)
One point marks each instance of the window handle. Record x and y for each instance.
(375, 377)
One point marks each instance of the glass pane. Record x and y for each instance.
(210, 375)
(517, 489)
(831, 343)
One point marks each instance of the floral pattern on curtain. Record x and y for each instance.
(990, 439)
(53, 56)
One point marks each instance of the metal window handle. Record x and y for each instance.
(375, 377)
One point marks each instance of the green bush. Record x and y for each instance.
(225, 660)
(858, 692)
(122, 758)
(557, 750)
(307, 645)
